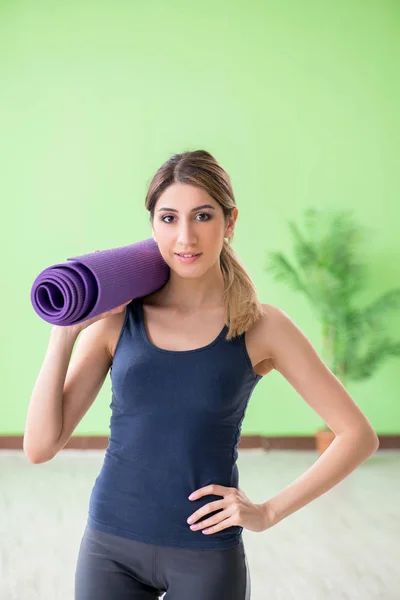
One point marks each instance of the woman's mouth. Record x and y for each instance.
(188, 258)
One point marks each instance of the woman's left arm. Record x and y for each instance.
(293, 355)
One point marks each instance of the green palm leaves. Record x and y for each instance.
(330, 272)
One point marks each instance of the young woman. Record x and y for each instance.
(184, 362)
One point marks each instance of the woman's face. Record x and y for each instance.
(189, 221)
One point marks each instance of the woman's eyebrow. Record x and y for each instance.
(193, 209)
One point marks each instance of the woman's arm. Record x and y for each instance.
(293, 355)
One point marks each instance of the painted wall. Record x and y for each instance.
(297, 100)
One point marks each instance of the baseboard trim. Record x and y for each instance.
(100, 442)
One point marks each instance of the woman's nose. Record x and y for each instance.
(186, 235)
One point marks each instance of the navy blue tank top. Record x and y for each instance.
(175, 427)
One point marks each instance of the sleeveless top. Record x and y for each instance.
(175, 427)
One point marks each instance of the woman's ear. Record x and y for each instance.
(231, 222)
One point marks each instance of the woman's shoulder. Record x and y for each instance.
(269, 314)
(273, 319)
(266, 330)
(276, 331)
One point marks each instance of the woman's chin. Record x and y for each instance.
(186, 274)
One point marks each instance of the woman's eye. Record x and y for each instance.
(198, 214)
(204, 215)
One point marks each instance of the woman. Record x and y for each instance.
(184, 362)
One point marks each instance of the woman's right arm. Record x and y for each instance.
(44, 418)
(66, 388)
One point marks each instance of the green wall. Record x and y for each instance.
(298, 100)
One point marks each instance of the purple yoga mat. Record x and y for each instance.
(71, 292)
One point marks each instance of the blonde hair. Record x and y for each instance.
(199, 168)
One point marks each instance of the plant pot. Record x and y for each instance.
(323, 439)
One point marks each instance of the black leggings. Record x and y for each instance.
(111, 567)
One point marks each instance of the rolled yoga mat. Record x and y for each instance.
(71, 292)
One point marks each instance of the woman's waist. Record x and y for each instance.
(174, 480)
(151, 501)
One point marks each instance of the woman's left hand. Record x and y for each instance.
(238, 510)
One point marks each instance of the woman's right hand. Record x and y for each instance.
(77, 328)
(81, 326)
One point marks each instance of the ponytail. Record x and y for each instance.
(242, 307)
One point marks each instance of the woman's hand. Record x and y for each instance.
(238, 510)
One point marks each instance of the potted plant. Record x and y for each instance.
(330, 272)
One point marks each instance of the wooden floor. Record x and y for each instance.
(345, 544)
